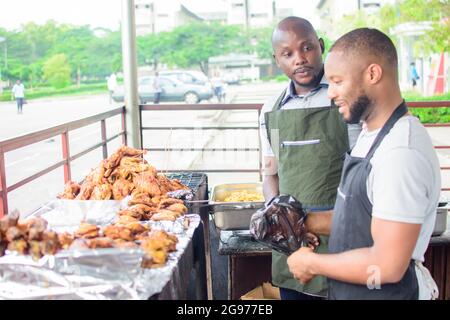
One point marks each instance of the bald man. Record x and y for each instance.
(386, 206)
(303, 140)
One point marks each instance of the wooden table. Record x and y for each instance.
(249, 263)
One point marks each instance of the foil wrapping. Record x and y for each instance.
(111, 273)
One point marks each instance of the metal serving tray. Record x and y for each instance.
(234, 215)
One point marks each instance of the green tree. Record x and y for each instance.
(437, 12)
(56, 71)
(194, 44)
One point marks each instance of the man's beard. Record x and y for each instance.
(314, 81)
(359, 109)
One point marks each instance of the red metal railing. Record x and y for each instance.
(62, 130)
(203, 107)
(434, 104)
(257, 106)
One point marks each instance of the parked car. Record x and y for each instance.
(187, 76)
(173, 90)
(231, 78)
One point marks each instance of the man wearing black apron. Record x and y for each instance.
(303, 140)
(387, 197)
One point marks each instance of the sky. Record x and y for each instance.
(100, 13)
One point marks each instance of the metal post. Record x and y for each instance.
(3, 187)
(124, 127)
(130, 73)
(66, 156)
(104, 144)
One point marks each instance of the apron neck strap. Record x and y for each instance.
(399, 112)
(277, 105)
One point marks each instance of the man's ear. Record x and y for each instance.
(374, 73)
(322, 45)
(276, 60)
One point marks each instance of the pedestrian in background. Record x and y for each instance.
(18, 91)
(413, 75)
(157, 88)
(112, 84)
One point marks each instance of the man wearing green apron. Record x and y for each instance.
(385, 210)
(303, 140)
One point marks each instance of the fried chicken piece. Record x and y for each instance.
(148, 262)
(14, 233)
(117, 232)
(124, 219)
(164, 215)
(177, 185)
(50, 242)
(85, 191)
(156, 251)
(140, 197)
(71, 189)
(147, 216)
(36, 222)
(2, 248)
(65, 240)
(35, 249)
(142, 236)
(19, 245)
(157, 246)
(79, 244)
(141, 208)
(49, 246)
(34, 234)
(121, 188)
(101, 192)
(34, 228)
(97, 175)
(137, 165)
(164, 184)
(170, 240)
(4, 225)
(164, 203)
(147, 183)
(87, 231)
(101, 242)
(124, 151)
(178, 207)
(122, 244)
(136, 227)
(134, 214)
(131, 152)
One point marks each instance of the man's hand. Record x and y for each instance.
(312, 240)
(319, 222)
(298, 263)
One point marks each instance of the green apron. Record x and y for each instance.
(309, 172)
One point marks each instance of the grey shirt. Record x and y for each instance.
(315, 98)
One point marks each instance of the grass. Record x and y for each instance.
(434, 115)
(52, 92)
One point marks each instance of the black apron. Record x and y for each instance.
(351, 228)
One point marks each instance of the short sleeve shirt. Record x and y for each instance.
(404, 183)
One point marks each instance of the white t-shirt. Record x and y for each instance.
(112, 82)
(405, 181)
(18, 90)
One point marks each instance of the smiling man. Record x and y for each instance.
(386, 206)
(309, 167)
